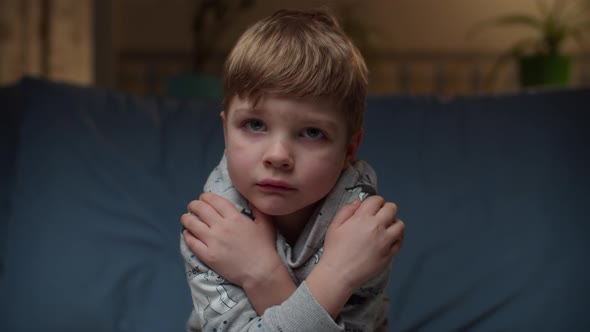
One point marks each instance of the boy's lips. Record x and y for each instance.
(274, 185)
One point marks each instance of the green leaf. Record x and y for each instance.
(508, 20)
(559, 20)
(520, 19)
(543, 8)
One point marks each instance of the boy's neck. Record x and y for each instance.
(291, 225)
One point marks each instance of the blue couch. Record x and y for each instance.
(494, 191)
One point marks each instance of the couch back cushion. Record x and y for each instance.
(102, 180)
(494, 191)
(10, 121)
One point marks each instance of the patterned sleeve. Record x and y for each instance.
(367, 308)
(222, 306)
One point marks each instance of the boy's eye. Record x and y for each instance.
(254, 125)
(313, 133)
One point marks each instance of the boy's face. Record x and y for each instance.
(286, 154)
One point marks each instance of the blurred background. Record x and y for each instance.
(169, 47)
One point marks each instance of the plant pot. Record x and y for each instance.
(540, 70)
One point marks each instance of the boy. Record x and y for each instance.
(294, 97)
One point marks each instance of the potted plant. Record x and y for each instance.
(540, 57)
(211, 18)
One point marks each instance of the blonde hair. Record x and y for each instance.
(298, 54)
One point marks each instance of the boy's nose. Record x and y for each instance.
(278, 155)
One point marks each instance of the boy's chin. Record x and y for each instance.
(291, 211)
(275, 211)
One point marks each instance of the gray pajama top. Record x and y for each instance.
(219, 305)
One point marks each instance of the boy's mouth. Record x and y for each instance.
(274, 185)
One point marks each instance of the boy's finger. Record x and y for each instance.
(397, 230)
(224, 207)
(371, 205)
(388, 213)
(399, 242)
(194, 226)
(395, 248)
(204, 212)
(191, 207)
(198, 247)
(346, 212)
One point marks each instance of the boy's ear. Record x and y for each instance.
(354, 145)
(223, 118)
(224, 122)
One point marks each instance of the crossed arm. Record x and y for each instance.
(361, 242)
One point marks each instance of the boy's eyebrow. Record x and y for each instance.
(327, 123)
(319, 121)
(253, 110)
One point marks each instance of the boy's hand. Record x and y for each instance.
(362, 240)
(239, 249)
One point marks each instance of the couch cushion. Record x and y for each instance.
(492, 188)
(93, 241)
(494, 192)
(10, 122)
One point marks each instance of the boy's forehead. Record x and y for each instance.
(308, 109)
(317, 105)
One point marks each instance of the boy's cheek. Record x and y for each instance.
(240, 159)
